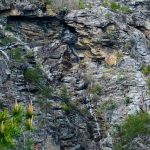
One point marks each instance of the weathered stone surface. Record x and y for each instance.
(4, 71)
(81, 50)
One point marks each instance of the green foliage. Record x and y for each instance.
(4, 115)
(29, 144)
(124, 9)
(127, 100)
(8, 27)
(81, 4)
(4, 2)
(119, 55)
(64, 93)
(57, 5)
(69, 107)
(96, 89)
(105, 3)
(146, 70)
(134, 126)
(106, 106)
(16, 54)
(49, 2)
(33, 75)
(90, 5)
(111, 34)
(46, 91)
(29, 54)
(148, 83)
(116, 7)
(84, 111)
(66, 107)
(36, 77)
(11, 126)
(28, 124)
(5, 41)
(108, 15)
(29, 112)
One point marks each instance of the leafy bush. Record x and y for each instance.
(134, 126)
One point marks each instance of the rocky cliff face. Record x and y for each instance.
(96, 53)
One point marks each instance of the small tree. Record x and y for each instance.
(134, 126)
(12, 124)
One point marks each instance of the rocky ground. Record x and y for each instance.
(96, 53)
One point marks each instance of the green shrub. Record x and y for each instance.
(4, 41)
(69, 107)
(114, 6)
(127, 100)
(36, 77)
(146, 70)
(119, 55)
(64, 94)
(134, 126)
(8, 27)
(124, 9)
(66, 107)
(105, 3)
(96, 89)
(16, 54)
(29, 54)
(148, 83)
(107, 105)
(33, 75)
(81, 4)
(4, 115)
(108, 15)
(45, 91)
(11, 126)
(49, 2)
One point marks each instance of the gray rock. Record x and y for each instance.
(4, 71)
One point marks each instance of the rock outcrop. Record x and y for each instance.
(95, 47)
